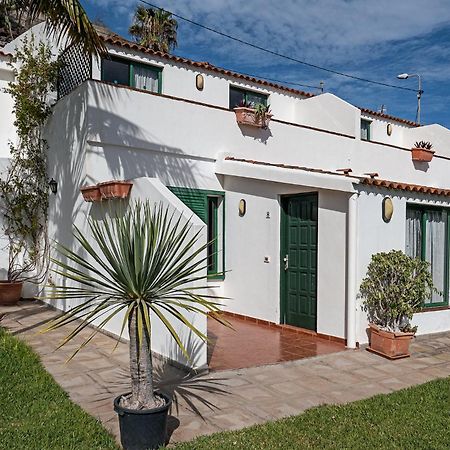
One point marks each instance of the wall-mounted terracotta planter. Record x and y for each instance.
(91, 193)
(422, 154)
(115, 189)
(247, 116)
(388, 344)
(10, 292)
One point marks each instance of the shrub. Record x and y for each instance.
(394, 288)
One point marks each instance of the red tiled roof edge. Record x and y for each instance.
(289, 166)
(364, 180)
(205, 65)
(388, 116)
(405, 186)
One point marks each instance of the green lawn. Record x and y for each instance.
(415, 418)
(35, 412)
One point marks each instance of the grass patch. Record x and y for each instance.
(36, 412)
(413, 418)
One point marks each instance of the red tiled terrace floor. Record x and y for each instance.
(250, 344)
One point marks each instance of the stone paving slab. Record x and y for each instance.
(225, 400)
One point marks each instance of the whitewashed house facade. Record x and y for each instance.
(299, 251)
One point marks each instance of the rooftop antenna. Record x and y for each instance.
(383, 109)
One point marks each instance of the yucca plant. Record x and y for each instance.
(144, 264)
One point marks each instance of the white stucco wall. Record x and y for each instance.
(101, 132)
(252, 284)
(374, 235)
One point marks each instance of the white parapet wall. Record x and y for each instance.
(162, 342)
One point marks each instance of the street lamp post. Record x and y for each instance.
(404, 76)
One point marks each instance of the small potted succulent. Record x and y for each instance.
(422, 151)
(255, 115)
(394, 288)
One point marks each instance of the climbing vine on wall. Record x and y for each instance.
(24, 183)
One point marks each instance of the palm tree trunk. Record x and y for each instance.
(141, 370)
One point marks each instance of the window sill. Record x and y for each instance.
(216, 277)
(434, 308)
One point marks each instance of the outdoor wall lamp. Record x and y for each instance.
(53, 185)
(405, 76)
(387, 209)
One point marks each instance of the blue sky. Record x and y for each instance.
(376, 42)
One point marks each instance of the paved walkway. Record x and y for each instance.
(229, 399)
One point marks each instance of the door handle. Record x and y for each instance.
(286, 262)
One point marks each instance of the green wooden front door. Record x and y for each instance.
(299, 260)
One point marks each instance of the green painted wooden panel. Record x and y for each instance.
(299, 242)
(195, 199)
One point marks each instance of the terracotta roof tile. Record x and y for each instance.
(289, 166)
(370, 181)
(119, 41)
(369, 112)
(405, 186)
(202, 64)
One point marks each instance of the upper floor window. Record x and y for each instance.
(131, 73)
(365, 129)
(240, 96)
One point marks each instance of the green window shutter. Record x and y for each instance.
(194, 199)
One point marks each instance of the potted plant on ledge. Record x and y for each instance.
(394, 288)
(422, 151)
(256, 115)
(144, 265)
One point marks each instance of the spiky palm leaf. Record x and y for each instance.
(154, 28)
(145, 264)
(67, 18)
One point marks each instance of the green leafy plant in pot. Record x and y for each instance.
(143, 264)
(395, 287)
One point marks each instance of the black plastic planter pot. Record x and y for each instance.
(143, 429)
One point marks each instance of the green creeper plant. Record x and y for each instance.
(394, 288)
(144, 264)
(24, 184)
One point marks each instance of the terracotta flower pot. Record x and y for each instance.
(10, 292)
(91, 193)
(115, 189)
(247, 116)
(422, 154)
(389, 344)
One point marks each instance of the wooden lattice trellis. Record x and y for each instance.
(76, 67)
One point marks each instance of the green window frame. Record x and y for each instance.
(245, 95)
(209, 206)
(132, 65)
(365, 129)
(423, 214)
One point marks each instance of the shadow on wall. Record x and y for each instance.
(125, 150)
(89, 144)
(258, 134)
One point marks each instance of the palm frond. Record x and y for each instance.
(67, 18)
(147, 263)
